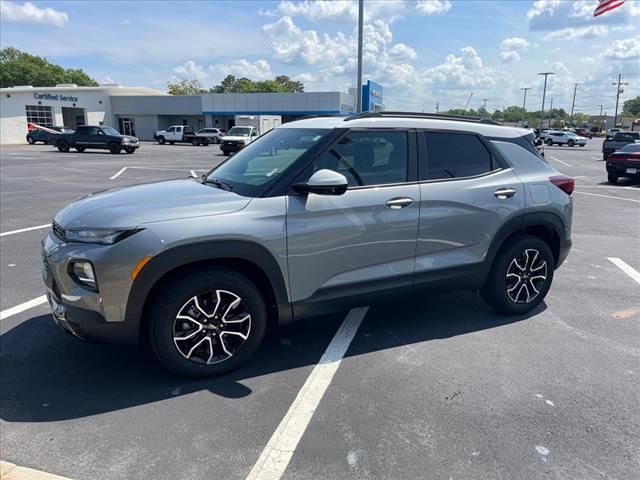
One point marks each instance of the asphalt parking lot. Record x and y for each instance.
(435, 386)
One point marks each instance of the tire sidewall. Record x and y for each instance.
(173, 298)
(161, 140)
(63, 146)
(495, 291)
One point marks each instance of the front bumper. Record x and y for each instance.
(232, 146)
(624, 169)
(131, 145)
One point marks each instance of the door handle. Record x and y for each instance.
(503, 193)
(399, 202)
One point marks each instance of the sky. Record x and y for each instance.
(423, 52)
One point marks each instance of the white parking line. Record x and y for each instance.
(120, 172)
(596, 158)
(28, 229)
(9, 312)
(276, 455)
(559, 161)
(632, 272)
(608, 196)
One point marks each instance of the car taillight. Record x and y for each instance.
(564, 183)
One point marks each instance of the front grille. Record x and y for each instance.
(58, 231)
(230, 144)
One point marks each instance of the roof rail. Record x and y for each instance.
(432, 116)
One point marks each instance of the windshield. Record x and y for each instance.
(110, 131)
(249, 171)
(240, 131)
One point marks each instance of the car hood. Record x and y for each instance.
(235, 138)
(130, 207)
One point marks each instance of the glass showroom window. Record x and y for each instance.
(40, 115)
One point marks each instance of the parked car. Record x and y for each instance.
(180, 134)
(237, 139)
(583, 132)
(612, 131)
(39, 135)
(624, 163)
(618, 141)
(105, 138)
(213, 134)
(317, 215)
(564, 138)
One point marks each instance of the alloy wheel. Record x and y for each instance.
(526, 276)
(212, 327)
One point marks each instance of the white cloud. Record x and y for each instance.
(509, 56)
(571, 33)
(464, 71)
(549, 15)
(433, 7)
(626, 49)
(336, 10)
(306, 77)
(400, 51)
(258, 70)
(515, 44)
(191, 69)
(30, 13)
(107, 81)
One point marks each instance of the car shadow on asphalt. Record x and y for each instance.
(47, 375)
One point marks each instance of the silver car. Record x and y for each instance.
(315, 216)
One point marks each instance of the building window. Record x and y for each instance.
(40, 115)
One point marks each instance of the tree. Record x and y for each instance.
(186, 87)
(281, 84)
(21, 68)
(632, 107)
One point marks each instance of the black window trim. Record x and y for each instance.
(497, 161)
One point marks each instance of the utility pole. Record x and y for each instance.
(484, 103)
(550, 112)
(524, 104)
(359, 80)
(544, 92)
(619, 90)
(467, 104)
(438, 107)
(601, 120)
(573, 103)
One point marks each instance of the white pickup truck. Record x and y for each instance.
(180, 133)
(237, 139)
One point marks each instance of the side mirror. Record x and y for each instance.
(324, 182)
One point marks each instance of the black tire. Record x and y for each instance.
(115, 148)
(30, 141)
(46, 142)
(63, 146)
(195, 142)
(171, 142)
(177, 297)
(571, 143)
(549, 142)
(205, 142)
(161, 140)
(225, 153)
(130, 150)
(80, 149)
(611, 178)
(582, 145)
(216, 140)
(498, 290)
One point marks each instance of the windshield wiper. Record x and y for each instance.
(219, 183)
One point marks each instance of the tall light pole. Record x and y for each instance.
(524, 103)
(618, 92)
(573, 103)
(359, 80)
(544, 92)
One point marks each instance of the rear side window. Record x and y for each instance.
(455, 155)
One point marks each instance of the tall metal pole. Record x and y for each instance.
(618, 92)
(550, 112)
(359, 80)
(524, 104)
(573, 103)
(544, 92)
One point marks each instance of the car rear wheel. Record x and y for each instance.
(161, 140)
(80, 149)
(207, 323)
(63, 146)
(549, 142)
(612, 178)
(30, 140)
(115, 148)
(521, 275)
(571, 143)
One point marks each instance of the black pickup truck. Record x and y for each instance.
(105, 138)
(619, 140)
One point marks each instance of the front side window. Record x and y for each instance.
(261, 162)
(367, 158)
(455, 155)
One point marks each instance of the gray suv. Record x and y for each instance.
(315, 216)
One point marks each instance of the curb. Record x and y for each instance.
(9, 471)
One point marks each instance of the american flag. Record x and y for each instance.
(606, 5)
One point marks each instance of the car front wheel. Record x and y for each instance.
(549, 142)
(207, 323)
(521, 275)
(571, 143)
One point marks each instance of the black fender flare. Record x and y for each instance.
(182, 256)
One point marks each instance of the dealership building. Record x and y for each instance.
(142, 111)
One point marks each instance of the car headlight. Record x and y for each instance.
(105, 237)
(125, 140)
(82, 272)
